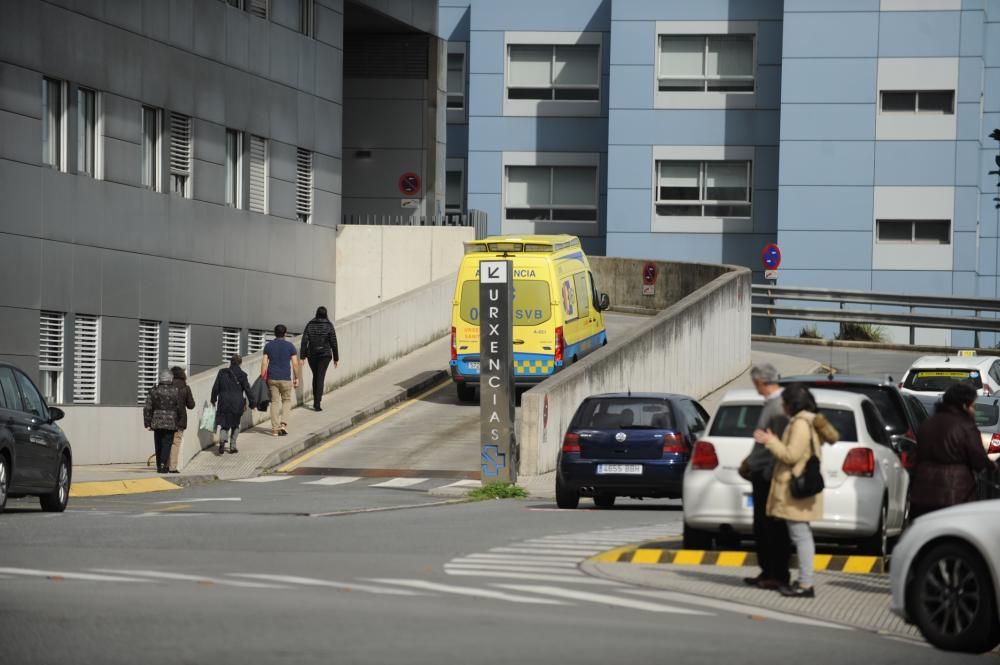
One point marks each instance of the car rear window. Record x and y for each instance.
(886, 403)
(939, 379)
(987, 415)
(843, 420)
(624, 412)
(738, 420)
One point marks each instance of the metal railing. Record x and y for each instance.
(473, 218)
(910, 318)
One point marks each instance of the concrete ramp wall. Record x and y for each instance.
(699, 342)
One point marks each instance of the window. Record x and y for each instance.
(180, 155)
(257, 7)
(86, 128)
(10, 396)
(33, 402)
(234, 168)
(258, 174)
(235, 3)
(179, 346)
(565, 73)
(304, 185)
(148, 359)
(928, 231)
(582, 294)
(230, 343)
(456, 80)
(706, 63)
(555, 193)
(703, 189)
(736, 420)
(306, 17)
(86, 359)
(453, 191)
(151, 148)
(532, 302)
(51, 344)
(256, 339)
(920, 101)
(53, 124)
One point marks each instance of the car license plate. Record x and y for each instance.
(748, 500)
(623, 469)
(473, 365)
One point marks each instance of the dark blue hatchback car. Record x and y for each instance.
(627, 444)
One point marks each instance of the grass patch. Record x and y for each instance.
(498, 490)
(862, 332)
(810, 332)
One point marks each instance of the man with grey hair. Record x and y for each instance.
(162, 414)
(773, 545)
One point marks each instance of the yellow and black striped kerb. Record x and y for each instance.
(679, 557)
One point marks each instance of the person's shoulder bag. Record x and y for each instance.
(810, 481)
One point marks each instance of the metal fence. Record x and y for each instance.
(474, 218)
(963, 313)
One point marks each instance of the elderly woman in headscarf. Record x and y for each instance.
(230, 386)
(162, 414)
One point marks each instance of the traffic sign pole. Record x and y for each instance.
(498, 447)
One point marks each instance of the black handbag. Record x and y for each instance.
(810, 482)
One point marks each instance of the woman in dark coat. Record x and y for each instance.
(180, 380)
(949, 454)
(227, 397)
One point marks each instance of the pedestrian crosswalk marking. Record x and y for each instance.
(503, 574)
(309, 581)
(470, 484)
(530, 561)
(534, 550)
(604, 599)
(333, 480)
(261, 479)
(467, 591)
(401, 482)
(494, 566)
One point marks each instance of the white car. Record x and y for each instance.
(865, 499)
(945, 576)
(930, 376)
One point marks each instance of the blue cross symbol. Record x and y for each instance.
(493, 460)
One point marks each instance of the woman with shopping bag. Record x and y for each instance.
(230, 386)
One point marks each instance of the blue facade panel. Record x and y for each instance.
(831, 35)
(703, 10)
(531, 15)
(631, 87)
(826, 163)
(634, 43)
(486, 95)
(966, 208)
(631, 211)
(826, 208)
(538, 134)
(923, 282)
(973, 33)
(630, 167)
(694, 127)
(829, 81)
(970, 80)
(914, 163)
(828, 122)
(486, 53)
(918, 34)
(485, 172)
(831, 250)
(453, 21)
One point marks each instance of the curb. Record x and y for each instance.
(93, 488)
(410, 388)
(656, 554)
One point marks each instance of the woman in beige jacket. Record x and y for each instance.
(802, 439)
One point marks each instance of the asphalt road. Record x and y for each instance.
(864, 362)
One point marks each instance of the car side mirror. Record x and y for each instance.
(55, 413)
(603, 302)
(902, 444)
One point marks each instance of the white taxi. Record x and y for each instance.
(930, 376)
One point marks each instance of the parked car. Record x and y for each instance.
(865, 499)
(35, 456)
(903, 413)
(945, 576)
(988, 422)
(930, 376)
(627, 444)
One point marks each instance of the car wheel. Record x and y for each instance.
(4, 481)
(566, 497)
(56, 501)
(951, 599)
(877, 544)
(604, 500)
(696, 539)
(466, 393)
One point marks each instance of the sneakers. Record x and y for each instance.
(233, 450)
(796, 590)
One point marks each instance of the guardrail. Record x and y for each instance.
(910, 319)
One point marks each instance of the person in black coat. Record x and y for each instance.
(319, 347)
(230, 386)
(180, 380)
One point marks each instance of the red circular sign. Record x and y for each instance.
(649, 273)
(409, 183)
(771, 257)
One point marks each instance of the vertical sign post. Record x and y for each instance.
(498, 455)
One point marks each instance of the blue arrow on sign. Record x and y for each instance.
(493, 460)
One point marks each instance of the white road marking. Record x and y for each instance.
(471, 484)
(31, 572)
(261, 479)
(603, 599)
(401, 482)
(190, 578)
(490, 567)
(500, 560)
(500, 574)
(333, 480)
(228, 498)
(310, 581)
(534, 550)
(467, 591)
(572, 558)
(733, 607)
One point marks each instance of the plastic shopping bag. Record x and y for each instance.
(208, 418)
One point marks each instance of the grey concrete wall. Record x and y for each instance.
(695, 345)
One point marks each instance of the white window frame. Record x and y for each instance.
(553, 107)
(86, 359)
(702, 201)
(147, 358)
(234, 169)
(551, 160)
(52, 354)
(230, 343)
(54, 153)
(700, 223)
(180, 173)
(457, 114)
(179, 346)
(155, 157)
(703, 99)
(263, 173)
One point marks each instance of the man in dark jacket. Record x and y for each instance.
(319, 347)
(162, 412)
(949, 454)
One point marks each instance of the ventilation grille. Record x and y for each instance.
(304, 185)
(258, 174)
(258, 8)
(51, 341)
(86, 359)
(179, 346)
(385, 56)
(230, 343)
(149, 357)
(256, 339)
(180, 144)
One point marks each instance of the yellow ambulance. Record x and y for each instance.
(557, 312)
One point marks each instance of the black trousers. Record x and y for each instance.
(163, 439)
(318, 365)
(774, 547)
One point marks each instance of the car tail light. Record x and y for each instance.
(703, 456)
(560, 344)
(454, 349)
(859, 462)
(674, 443)
(571, 443)
(994, 445)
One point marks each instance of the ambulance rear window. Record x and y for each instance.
(532, 302)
